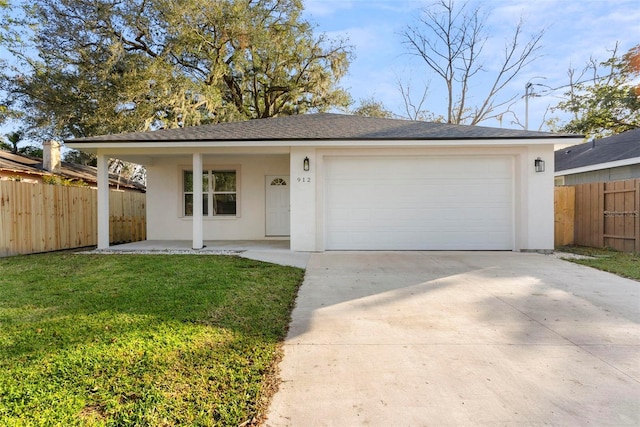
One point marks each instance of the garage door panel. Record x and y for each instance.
(418, 203)
(436, 241)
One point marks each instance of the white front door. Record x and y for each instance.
(277, 205)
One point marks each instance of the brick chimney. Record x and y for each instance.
(51, 156)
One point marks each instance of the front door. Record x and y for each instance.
(277, 205)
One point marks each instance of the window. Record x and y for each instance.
(218, 192)
(278, 182)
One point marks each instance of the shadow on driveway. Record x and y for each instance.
(460, 338)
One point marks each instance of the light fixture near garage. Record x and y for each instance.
(305, 164)
(539, 164)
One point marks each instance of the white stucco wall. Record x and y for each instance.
(538, 200)
(532, 195)
(304, 204)
(164, 197)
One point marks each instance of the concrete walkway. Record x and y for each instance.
(460, 339)
(273, 251)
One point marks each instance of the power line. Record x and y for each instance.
(568, 85)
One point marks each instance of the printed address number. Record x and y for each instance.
(304, 179)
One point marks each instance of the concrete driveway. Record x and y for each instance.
(460, 338)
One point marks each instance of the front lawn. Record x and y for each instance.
(158, 340)
(620, 263)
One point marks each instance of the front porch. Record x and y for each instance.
(273, 251)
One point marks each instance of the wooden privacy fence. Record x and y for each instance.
(564, 209)
(127, 216)
(41, 217)
(607, 214)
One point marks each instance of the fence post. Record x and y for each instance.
(637, 216)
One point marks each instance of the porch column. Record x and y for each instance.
(103, 201)
(197, 201)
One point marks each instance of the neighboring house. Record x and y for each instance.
(607, 159)
(339, 182)
(29, 169)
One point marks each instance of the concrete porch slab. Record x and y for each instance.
(273, 251)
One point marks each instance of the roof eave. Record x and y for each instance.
(25, 172)
(93, 146)
(599, 166)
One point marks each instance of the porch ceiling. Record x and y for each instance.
(146, 156)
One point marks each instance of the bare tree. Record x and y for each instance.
(515, 120)
(450, 40)
(412, 110)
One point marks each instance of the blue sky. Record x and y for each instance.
(576, 30)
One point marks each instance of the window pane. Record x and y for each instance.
(188, 181)
(224, 204)
(205, 181)
(188, 205)
(224, 181)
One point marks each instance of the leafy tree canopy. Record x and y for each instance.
(107, 66)
(604, 98)
(79, 157)
(13, 139)
(31, 151)
(371, 107)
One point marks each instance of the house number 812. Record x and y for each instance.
(304, 179)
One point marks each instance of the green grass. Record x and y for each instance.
(154, 340)
(620, 263)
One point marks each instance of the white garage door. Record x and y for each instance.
(419, 203)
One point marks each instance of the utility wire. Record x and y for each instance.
(568, 85)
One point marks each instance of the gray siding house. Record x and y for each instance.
(607, 159)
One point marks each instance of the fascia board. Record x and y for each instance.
(599, 166)
(114, 146)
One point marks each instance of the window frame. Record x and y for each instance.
(210, 170)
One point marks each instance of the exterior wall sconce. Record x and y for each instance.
(305, 164)
(539, 164)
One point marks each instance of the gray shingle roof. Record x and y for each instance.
(324, 126)
(625, 145)
(14, 163)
